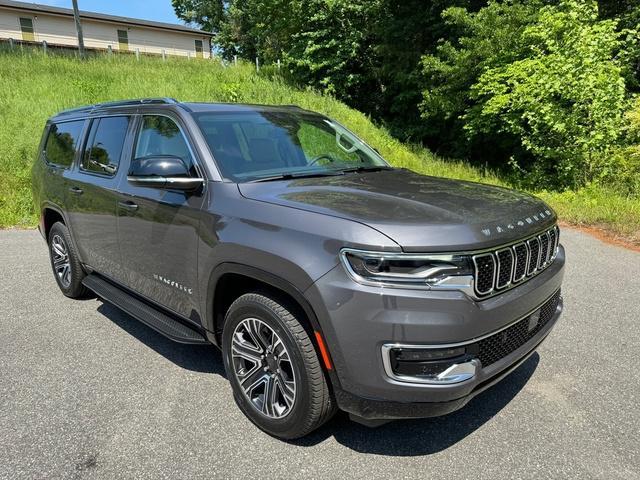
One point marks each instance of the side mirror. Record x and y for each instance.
(162, 171)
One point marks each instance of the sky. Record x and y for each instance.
(158, 10)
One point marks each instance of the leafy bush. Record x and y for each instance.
(537, 86)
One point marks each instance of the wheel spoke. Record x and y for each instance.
(58, 250)
(60, 260)
(243, 349)
(253, 329)
(66, 274)
(251, 379)
(287, 389)
(269, 405)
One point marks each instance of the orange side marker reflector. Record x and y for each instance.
(323, 351)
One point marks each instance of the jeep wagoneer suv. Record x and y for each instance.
(328, 278)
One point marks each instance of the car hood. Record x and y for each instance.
(418, 212)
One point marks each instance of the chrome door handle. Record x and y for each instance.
(128, 205)
(76, 190)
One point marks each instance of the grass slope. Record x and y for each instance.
(34, 86)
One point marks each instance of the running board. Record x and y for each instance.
(150, 316)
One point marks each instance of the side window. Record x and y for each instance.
(104, 145)
(159, 135)
(62, 142)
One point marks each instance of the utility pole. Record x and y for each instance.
(76, 16)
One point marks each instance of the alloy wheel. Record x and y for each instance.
(262, 365)
(61, 264)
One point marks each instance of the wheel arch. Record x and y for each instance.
(230, 280)
(51, 213)
(252, 279)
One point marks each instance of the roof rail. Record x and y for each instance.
(121, 103)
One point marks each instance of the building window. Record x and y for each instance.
(199, 48)
(26, 26)
(123, 40)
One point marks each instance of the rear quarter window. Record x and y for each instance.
(62, 142)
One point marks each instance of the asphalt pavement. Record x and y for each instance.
(88, 392)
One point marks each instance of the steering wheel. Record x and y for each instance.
(317, 158)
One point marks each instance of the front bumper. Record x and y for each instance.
(358, 321)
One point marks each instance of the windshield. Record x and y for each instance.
(249, 146)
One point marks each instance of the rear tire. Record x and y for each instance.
(274, 370)
(65, 263)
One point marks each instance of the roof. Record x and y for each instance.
(194, 107)
(38, 8)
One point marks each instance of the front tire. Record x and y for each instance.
(65, 263)
(274, 370)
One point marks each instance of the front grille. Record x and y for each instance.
(491, 349)
(499, 269)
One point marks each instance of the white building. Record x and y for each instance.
(31, 22)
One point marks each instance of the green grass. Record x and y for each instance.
(34, 86)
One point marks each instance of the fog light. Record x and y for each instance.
(431, 365)
(427, 354)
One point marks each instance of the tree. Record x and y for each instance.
(482, 40)
(209, 14)
(539, 87)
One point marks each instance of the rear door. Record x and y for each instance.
(158, 228)
(58, 154)
(92, 195)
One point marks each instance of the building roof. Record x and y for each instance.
(36, 8)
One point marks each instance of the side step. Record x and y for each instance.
(154, 318)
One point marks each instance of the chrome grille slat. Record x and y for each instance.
(552, 244)
(496, 270)
(485, 272)
(505, 268)
(522, 254)
(544, 250)
(534, 255)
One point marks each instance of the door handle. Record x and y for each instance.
(128, 205)
(76, 190)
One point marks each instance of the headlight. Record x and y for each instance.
(406, 270)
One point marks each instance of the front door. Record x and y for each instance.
(92, 195)
(158, 228)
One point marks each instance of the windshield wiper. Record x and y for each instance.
(371, 168)
(295, 176)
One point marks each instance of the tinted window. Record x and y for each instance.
(62, 142)
(106, 139)
(159, 136)
(252, 145)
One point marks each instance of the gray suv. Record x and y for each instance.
(329, 279)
